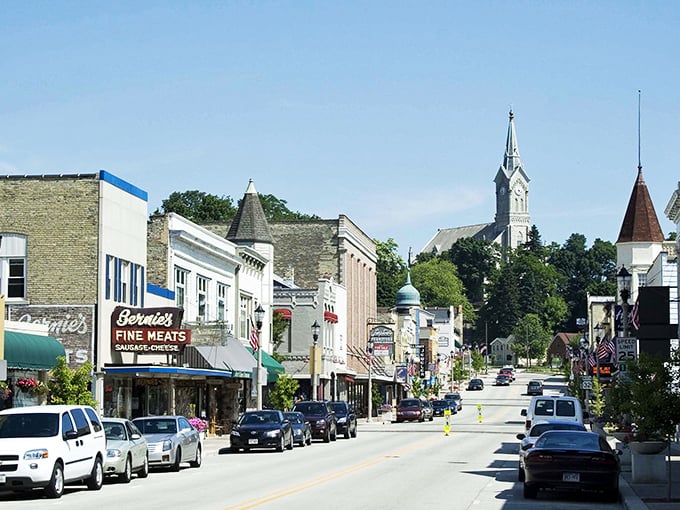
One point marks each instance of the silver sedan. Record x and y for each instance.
(126, 450)
(171, 440)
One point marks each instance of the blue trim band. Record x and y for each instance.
(123, 185)
(160, 291)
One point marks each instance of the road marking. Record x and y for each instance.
(282, 493)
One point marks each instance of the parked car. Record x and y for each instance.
(50, 446)
(528, 440)
(535, 387)
(502, 380)
(475, 384)
(410, 409)
(571, 460)
(510, 372)
(347, 419)
(262, 429)
(428, 411)
(440, 406)
(321, 417)
(126, 450)
(302, 430)
(171, 440)
(456, 398)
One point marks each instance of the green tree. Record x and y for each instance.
(199, 207)
(502, 310)
(475, 260)
(276, 209)
(281, 395)
(530, 338)
(390, 272)
(477, 361)
(67, 386)
(279, 326)
(438, 283)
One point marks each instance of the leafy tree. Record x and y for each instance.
(276, 209)
(438, 283)
(458, 370)
(67, 386)
(530, 338)
(477, 361)
(553, 312)
(534, 244)
(475, 260)
(390, 272)
(199, 207)
(281, 395)
(279, 325)
(502, 310)
(417, 387)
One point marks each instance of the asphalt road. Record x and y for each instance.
(388, 466)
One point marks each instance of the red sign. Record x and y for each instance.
(150, 340)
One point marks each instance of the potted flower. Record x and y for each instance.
(5, 392)
(199, 424)
(26, 384)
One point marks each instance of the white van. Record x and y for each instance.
(49, 446)
(553, 407)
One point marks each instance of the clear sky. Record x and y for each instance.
(393, 113)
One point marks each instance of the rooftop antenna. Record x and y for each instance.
(409, 258)
(639, 156)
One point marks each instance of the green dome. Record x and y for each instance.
(408, 295)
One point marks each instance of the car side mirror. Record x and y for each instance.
(71, 434)
(523, 412)
(135, 436)
(520, 436)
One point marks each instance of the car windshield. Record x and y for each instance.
(156, 425)
(537, 430)
(453, 396)
(259, 418)
(311, 408)
(569, 441)
(294, 417)
(114, 431)
(440, 403)
(534, 384)
(410, 402)
(29, 425)
(339, 408)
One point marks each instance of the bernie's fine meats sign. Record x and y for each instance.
(148, 330)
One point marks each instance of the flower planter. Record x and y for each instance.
(647, 447)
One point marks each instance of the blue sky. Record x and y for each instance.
(393, 113)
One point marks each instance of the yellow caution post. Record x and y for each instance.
(479, 413)
(447, 421)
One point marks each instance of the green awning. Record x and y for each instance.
(274, 368)
(32, 352)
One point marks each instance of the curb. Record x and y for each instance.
(629, 499)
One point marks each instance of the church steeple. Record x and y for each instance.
(511, 161)
(640, 224)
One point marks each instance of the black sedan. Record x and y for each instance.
(347, 419)
(502, 380)
(302, 430)
(571, 460)
(262, 429)
(440, 406)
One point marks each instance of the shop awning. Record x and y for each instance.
(233, 357)
(284, 313)
(330, 317)
(157, 370)
(32, 352)
(274, 368)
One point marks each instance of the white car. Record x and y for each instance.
(171, 440)
(50, 446)
(126, 450)
(528, 440)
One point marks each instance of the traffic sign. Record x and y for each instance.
(626, 349)
(586, 383)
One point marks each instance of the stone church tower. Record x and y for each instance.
(512, 222)
(512, 195)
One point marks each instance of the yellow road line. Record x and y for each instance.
(261, 500)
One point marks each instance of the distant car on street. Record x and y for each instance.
(321, 417)
(302, 430)
(502, 380)
(440, 406)
(456, 399)
(410, 409)
(347, 419)
(262, 429)
(428, 410)
(535, 387)
(475, 384)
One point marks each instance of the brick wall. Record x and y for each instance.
(60, 217)
(157, 251)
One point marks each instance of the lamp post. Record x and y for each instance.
(369, 351)
(623, 278)
(259, 317)
(451, 361)
(313, 358)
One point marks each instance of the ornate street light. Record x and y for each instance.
(313, 358)
(259, 317)
(369, 351)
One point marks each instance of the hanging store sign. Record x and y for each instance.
(148, 330)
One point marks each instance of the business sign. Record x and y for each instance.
(72, 325)
(382, 339)
(148, 330)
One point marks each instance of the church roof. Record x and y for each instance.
(640, 224)
(445, 238)
(250, 224)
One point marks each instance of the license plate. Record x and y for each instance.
(3, 477)
(252, 441)
(570, 477)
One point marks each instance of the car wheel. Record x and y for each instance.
(354, 431)
(178, 460)
(196, 463)
(421, 419)
(302, 443)
(431, 418)
(612, 495)
(280, 446)
(530, 491)
(55, 488)
(520, 475)
(144, 472)
(126, 475)
(96, 479)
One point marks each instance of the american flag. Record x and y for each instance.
(254, 340)
(606, 348)
(591, 360)
(411, 367)
(635, 315)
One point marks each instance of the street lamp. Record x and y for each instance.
(259, 317)
(369, 351)
(623, 278)
(451, 361)
(313, 358)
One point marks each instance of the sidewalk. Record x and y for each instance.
(652, 496)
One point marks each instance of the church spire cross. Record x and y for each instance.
(511, 161)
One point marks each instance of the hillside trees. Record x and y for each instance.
(438, 283)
